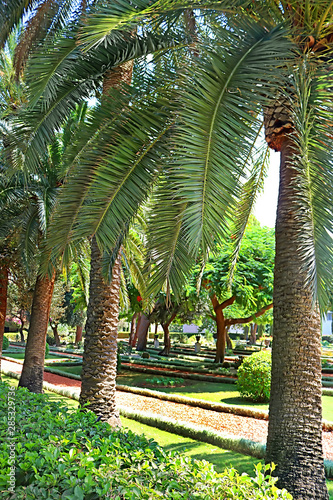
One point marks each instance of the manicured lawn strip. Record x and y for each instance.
(193, 367)
(221, 459)
(192, 376)
(67, 371)
(20, 355)
(212, 392)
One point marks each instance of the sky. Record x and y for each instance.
(265, 207)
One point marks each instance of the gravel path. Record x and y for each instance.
(234, 425)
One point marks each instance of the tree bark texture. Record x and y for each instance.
(3, 304)
(142, 332)
(78, 334)
(294, 441)
(22, 319)
(221, 336)
(166, 340)
(54, 327)
(33, 366)
(133, 332)
(253, 335)
(99, 367)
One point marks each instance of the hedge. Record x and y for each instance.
(70, 455)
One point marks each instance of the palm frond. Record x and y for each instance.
(71, 77)
(11, 14)
(169, 259)
(107, 185)
(314, 143)
(218, 125)
(247, 199)
(127, 15)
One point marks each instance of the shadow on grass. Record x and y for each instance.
(243, 402)
(221, 459)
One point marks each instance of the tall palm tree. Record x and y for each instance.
(270, 59)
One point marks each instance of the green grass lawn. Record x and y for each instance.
(20, 355)
(209, 391)
(220, 458)
(76, 370)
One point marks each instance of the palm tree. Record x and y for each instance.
(271, 59)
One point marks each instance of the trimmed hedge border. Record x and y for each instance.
(170, 365)
(192, 376)
(62, 373)
(201, 403)
(199, 433)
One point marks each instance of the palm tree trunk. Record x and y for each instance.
(33, 366)
(253, 335)
(294, 441)
(4, 272)
(99, 367)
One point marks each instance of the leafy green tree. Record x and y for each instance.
(246, 295)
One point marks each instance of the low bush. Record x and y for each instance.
(5, 343)
(254, 377)
(165, 381)
(69, 455)
(47, 349)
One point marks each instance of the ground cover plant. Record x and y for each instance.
(164, 382)
(70, 455)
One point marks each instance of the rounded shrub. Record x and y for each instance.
(254, 377)
(5, 343)
(47, 349)
(145, 355)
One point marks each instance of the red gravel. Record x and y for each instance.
(234, 425)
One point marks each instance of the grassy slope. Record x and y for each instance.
(178, 444)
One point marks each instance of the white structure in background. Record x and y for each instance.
(326, 324)
(190, 328)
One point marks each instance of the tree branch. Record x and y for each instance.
(226, 303)
(239, 321)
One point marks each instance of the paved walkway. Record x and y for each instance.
(234, 425)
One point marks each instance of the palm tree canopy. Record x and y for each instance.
(207, 125)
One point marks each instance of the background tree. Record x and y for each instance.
(249, 295)
(20, 293)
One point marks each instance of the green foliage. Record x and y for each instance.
(47, 349)
(254, 377)
(69, 454)
(145, 355)
(118, 362)
(5, 343)
(165, 381)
